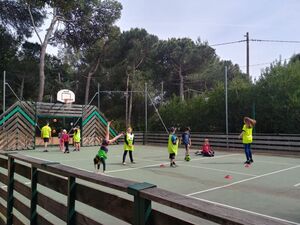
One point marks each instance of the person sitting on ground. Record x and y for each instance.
(206, 149)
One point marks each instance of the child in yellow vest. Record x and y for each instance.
(247, 138)
(172, 146)
(46, 135)
(128, 145)
(76, 139)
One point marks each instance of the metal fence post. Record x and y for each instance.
(142, 207)
(71, 201)
(33, 202)
(10, 190)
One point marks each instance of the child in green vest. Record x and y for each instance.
(128, 145)
(102, 153)
(172, 146)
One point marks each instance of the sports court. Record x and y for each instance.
(269, 187)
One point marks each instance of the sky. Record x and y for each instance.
(220, 21)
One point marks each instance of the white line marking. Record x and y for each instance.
(296, 185)
(248, 211)
(244, 180)
(219, 170)
(270, 162)
(153, 165)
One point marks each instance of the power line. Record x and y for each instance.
(228, 43)
(275, 41)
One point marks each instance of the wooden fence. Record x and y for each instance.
(269, 142)
(78, 186)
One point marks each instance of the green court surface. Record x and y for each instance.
(269, 187)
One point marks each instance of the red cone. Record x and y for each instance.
(228, 177)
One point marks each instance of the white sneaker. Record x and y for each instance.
(124, 163)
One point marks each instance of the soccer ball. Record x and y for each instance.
(187, 158)
(54, 120)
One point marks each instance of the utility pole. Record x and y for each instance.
(146, 114)
(98, 96)
(226, 107)
(247, 53)
(162, 91)
(4, 86)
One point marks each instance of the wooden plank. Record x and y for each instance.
(108, 203)
(56, 208)
(22, 189)
(159, 218)
(116, 183)
(22, 208)
(16, 221)
(3, 163)
(53, 182)
(23, 170)
(2, 209)
(3, 193)
(2, 222)
(206, 210)
(41, 220)
(84, 220)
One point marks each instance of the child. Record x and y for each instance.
(186, 140)
(101, 156)
(61, 141)
(247, 138)
(65, 137)
(172, 146)
(46, 135)
(128, 145)
(206, 149)
(76, 139)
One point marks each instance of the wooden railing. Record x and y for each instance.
(74, 186)
(269, 142)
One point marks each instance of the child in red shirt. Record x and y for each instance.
(65, 138)
(206, 149)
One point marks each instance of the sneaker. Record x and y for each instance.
(247, 162)
(172, 165)
(124, 163)
(133, 162)
(74, 150)
(251, 160)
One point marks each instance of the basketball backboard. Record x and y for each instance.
(66, 96)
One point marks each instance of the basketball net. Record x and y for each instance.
(68, 103)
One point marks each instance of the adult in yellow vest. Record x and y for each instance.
(172, 146)
(247, 138)
(128, 145)
(46, 135)
(76, 139)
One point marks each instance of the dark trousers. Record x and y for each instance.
(66, 144)
(125, 154)
(103, 163)
(248, 152)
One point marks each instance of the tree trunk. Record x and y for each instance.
(126, 99)
(22, 89)
(181, 89)
(92, 71)
(42, 57)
